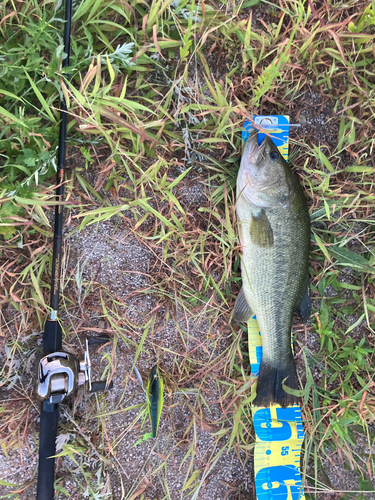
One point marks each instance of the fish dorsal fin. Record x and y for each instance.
(260, 230)
(242, 310)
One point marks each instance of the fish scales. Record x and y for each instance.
(275, 274)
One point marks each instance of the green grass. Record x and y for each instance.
(157, 95)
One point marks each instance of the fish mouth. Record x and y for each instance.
(253, 149)
(254, 153)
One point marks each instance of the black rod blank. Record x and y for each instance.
(52, 337)
(57, 241)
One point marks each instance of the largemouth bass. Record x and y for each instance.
(274, 229)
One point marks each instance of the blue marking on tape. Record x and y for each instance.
(266, 429)
(279, 479)
(280, 138)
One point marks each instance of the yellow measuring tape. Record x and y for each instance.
(279, 431)
(279, 437)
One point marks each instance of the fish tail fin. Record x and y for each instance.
(270, 384)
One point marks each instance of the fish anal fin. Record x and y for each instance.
(242, 311)
(304, 305)
(260, 230)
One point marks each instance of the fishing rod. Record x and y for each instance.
(58, 372)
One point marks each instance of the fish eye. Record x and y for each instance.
(274, 155)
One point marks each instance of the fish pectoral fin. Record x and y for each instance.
(304, 306)
(260, 230)
(242, 311)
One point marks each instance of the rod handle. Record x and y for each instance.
(49, 417)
